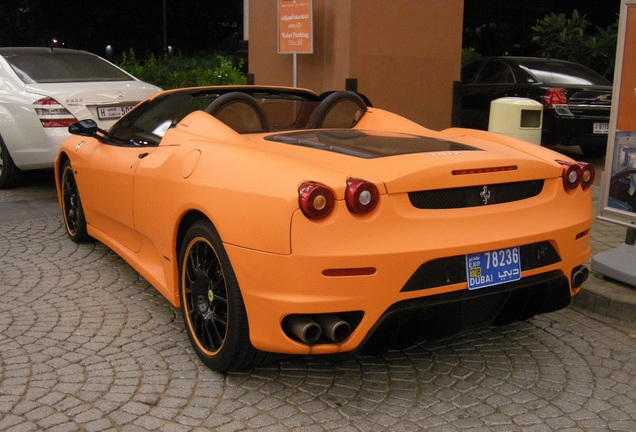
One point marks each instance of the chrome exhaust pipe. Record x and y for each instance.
(304, 328)
(579, 275)
(335, 328)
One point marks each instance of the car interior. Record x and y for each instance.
(241, 111)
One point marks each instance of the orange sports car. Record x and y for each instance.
(281, 221)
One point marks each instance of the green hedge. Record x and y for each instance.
(176, 72)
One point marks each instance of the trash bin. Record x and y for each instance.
(517, 117)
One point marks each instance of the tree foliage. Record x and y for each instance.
(571, 38)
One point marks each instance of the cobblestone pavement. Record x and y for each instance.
(86, 344)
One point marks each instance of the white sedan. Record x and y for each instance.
(44, 90)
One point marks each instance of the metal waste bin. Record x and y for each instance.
(517, 117)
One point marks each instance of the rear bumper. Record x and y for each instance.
(571, 130)
(426, 317)
(370, 303)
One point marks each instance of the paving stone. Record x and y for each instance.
(86, 344)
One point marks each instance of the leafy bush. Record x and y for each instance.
(569, 39)
(469, 55)
(175, 72)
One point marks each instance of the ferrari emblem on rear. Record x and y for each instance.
(484, 195)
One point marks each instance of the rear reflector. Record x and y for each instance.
(582, 234)
(359, 271)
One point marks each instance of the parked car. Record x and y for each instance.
(281, 221)
(576, 100)
(43, 91)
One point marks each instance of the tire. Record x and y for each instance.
(10, 174)
(211, 303)
(72, 209)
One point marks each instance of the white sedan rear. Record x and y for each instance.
(44, 90)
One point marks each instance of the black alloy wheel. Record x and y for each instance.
(211, 303)
(72, 206)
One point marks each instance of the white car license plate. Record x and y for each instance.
(490, 268)
(601, 128)
(109, 113)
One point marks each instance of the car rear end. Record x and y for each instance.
(576, 101)
(57, 87)
(417, 258)
(576, 116)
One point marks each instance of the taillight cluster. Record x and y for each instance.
(317, 200)
(52, 114)
(575, 174)
(553, 97)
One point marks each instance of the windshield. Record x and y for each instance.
(57, 66)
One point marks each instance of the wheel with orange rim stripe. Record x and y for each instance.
(211, 303)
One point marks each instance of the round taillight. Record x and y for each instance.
(588, 174)
(315, 200)
(361, 196)
(571, 175)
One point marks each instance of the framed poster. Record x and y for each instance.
(618, 189)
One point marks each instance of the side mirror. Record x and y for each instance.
(86, 128)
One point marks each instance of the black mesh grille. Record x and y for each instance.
(473, 196)
(452, 270)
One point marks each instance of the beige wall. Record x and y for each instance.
(405, 54)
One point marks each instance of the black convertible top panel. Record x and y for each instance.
(366, 144)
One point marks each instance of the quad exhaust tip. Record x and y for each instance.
(309, 329)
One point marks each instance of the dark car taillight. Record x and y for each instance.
(588, 173)
(361, 196)
(52, 114)
(575, 174)
(554, 97)
(316, 200)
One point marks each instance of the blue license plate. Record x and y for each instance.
(490, 268)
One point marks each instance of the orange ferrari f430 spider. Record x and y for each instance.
(285, 222)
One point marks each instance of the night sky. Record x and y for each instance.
(205, 26)
(193, 26)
